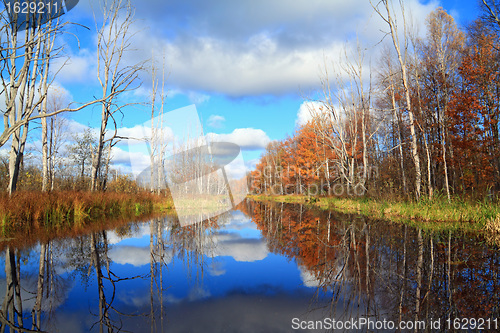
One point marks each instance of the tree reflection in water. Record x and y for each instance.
(351, 267)
(383, 270)
(87, 258)
(35, 293)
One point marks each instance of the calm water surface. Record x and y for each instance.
(261, 268)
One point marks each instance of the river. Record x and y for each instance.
(264, 267)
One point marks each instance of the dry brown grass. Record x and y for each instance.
(34, 210)
(492, 231)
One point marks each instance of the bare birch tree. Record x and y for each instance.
(114, 38)
(344, 119)
(442, 58)
(48, 53)
(25, 53)
(388, 85)
(387, 14)
(158, 143)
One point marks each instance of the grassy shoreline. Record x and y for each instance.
(438, 214)
(34, 210)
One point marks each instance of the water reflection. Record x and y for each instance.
(376, 269)
(253, 269)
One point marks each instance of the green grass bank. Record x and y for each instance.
(437, 214)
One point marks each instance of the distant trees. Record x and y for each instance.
(429, 123)
(301, 164)
(83, 152)
(54, 135)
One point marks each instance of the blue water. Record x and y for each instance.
(221, 278)
(282, 265)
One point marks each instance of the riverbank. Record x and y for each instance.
(438, 214)
(34, 210)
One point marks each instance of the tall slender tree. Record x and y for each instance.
(387, 13)
(441, 54)
(115, 75)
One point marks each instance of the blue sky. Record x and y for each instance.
(246, 65)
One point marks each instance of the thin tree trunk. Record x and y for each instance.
(44, 89)
(45, 154)
(16, 157)
(37, 310)
(420, 263)
(398, 120)
(404, 76)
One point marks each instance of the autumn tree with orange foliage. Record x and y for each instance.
(306, 161)
(475, 113)
(301, 164)
(430, 124)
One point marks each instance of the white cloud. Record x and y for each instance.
(57, 91)
(244, 49)
(135, 255)
(121, 156)
(236, 169)
(80, 67)
(137, 134)
(197, 293)
(216, 121)
(241, 249)
(246, 138)
(255, 67)
(134, 298)
(75, 127)
(308, 278)
(216, 269)
(140, 160)
(143, 231)
(197, 98)
(251, 164)
(240, 221)
(247, 48)
(307, 111)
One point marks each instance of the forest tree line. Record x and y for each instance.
(421, 121)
